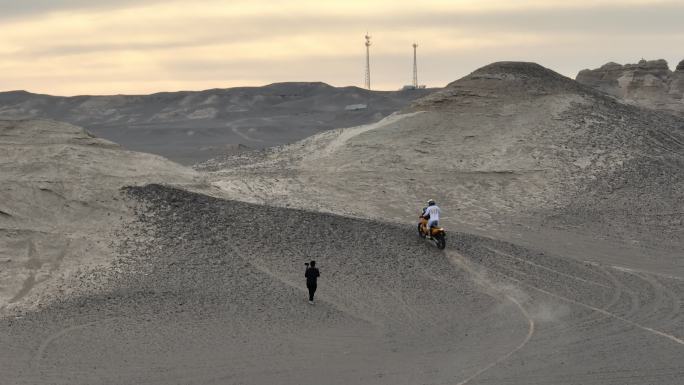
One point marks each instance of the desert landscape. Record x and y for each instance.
(232, 192)
(563, 209)
(189, 127)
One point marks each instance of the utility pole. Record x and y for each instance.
(415, 67)
(367, 79)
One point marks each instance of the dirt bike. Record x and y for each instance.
(438, 233)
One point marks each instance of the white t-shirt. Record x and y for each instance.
(433, 212)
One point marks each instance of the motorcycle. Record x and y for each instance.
(438, 233)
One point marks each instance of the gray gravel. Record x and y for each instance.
(217, 295)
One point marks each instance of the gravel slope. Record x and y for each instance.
(216, 295)
(513, 150)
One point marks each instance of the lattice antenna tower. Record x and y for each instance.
(415, 67)
(367, 77)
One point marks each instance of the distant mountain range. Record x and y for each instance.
(193, 126)
(190, 127)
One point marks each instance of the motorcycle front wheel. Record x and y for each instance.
(420, 232)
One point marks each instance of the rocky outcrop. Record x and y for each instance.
(680, 66)
(649, 83)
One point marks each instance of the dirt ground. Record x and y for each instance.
(231, 308)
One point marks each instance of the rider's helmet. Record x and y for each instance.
(431, 202)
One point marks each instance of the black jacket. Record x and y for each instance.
(312, 275)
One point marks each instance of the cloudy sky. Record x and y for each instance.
(74, 47)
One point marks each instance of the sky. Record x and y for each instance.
(73, 47)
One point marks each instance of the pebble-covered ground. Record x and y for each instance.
(212, 291)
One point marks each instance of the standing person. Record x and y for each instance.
(311, 275)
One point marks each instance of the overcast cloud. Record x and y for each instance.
(75, 47)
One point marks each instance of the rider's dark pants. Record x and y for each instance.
(312, 290)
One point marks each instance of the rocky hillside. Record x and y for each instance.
(648, 83)
(189, 127)
(60, 204)
(150, 284)
(512, 149)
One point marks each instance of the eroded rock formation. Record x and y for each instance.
(649, 83)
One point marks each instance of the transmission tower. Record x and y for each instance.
(367, 78)
(415, 67)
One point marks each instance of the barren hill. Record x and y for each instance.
(562, 179)
(648, 83)
(189, 127)
(512, 149)
(60, 203)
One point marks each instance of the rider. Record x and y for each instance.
(431, 213)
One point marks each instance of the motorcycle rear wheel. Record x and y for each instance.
(441, 241)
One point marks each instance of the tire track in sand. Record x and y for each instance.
(55, 336)
(609, 314)
(653, 331)
(481, 280)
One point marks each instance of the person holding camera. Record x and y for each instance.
(311, 275)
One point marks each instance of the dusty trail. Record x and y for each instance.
(342, 136)
(497, 291)
(458, 260)
(595, 311)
